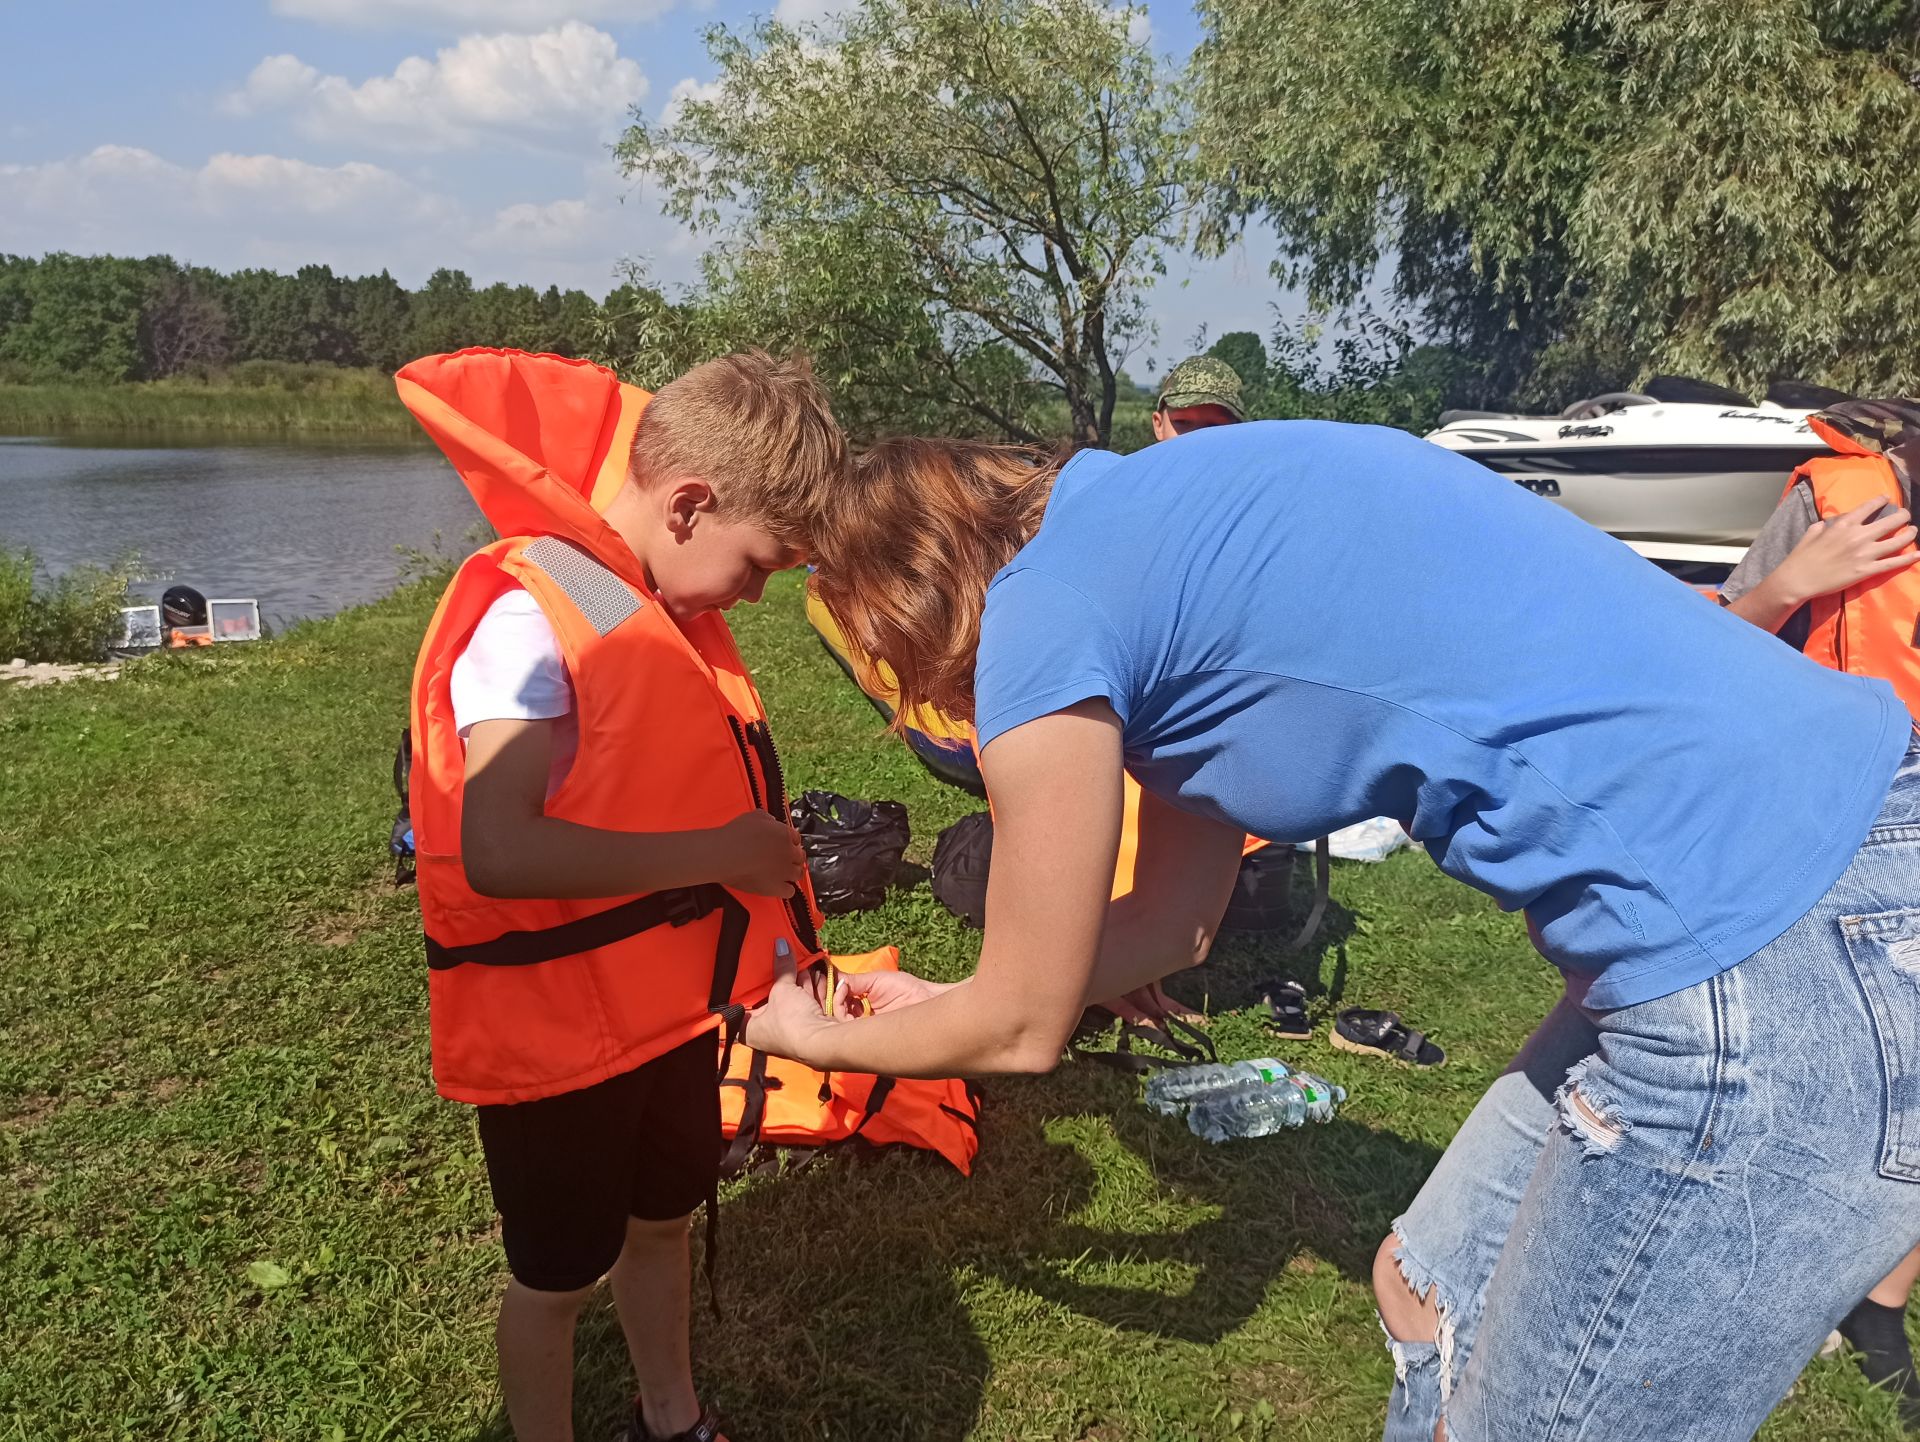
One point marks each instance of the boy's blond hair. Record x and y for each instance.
(757, 429)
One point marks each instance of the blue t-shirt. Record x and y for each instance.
(1304, 624)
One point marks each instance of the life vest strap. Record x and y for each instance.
(753, 1111)
(876, 1098)
(677, 907)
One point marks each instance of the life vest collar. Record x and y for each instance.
(540, 441)
(1841, 441)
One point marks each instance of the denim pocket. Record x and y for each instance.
(1885, 950)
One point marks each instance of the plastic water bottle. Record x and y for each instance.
(1257, 1109)
(1175, 1087)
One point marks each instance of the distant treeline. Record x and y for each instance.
(104, 319)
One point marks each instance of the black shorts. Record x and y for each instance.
(567, 1171)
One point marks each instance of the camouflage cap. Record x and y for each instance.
(1203, 380)
(1879, 426)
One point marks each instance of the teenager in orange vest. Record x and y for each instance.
(1832, 571)
(605, 867)
(1833, 574)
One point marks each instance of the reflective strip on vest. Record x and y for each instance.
(601, 597)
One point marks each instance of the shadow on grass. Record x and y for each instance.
(858, 1295)
(1233, 1219)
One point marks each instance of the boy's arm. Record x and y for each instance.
(510, 847)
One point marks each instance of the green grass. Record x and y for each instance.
(214, 1009)
(261, 398)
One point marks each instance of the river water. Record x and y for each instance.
(306, 528)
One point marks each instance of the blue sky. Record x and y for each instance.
(404, 135)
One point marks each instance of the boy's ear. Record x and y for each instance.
(686, 500)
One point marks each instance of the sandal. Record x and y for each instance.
(1382, 1033)
(705, 1429)
(1286, 1003)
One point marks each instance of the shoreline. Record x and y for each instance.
(350, 405)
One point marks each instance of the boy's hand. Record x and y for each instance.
(760, 853)
(1847, 550)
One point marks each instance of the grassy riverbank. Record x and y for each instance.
(231, 1207)
(258, 399)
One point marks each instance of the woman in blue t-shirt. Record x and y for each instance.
(1286, 627)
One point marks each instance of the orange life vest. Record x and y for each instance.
(785, 1103)
(1872, 629)
(530, 998)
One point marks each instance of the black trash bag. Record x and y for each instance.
(960, 860)
(853, 848)
(1262, 891)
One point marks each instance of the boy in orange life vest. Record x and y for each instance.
(1832, 573)
(600, 870)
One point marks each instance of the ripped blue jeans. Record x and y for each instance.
(1653, 1218)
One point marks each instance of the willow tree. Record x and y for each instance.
(1585, 191)
(956, 205)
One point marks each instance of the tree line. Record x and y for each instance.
(960, 208)
(108, 318)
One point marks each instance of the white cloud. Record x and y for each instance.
(556, 227)
(807, 12)
(1139, 23)
(100, 199)
(705, 91)
(569, 81)
(462, 15)
(235, 211)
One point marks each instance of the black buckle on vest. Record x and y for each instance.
(686, 905)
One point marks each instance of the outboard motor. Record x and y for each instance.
(183, 606)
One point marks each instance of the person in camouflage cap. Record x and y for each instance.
(1201, 391)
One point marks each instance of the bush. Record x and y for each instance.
(74, 618)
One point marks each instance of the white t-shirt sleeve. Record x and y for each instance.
(512, 669)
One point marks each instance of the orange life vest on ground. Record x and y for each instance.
(776, 1102)
(1872, 629)
(531, 998)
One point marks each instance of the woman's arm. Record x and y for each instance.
(1056, 784)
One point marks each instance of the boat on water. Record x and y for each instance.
(1683, 471)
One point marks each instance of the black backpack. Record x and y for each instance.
(400, 839)
(961, 858)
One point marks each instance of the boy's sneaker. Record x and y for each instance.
(706, 1429)
(1879, 1336)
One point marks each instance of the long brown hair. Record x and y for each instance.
(905, 553)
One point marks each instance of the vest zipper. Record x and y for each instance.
(762, 758)
(746, 760)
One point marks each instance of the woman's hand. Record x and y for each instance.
(874, 993)
(1833, 555)
(789, 1022)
